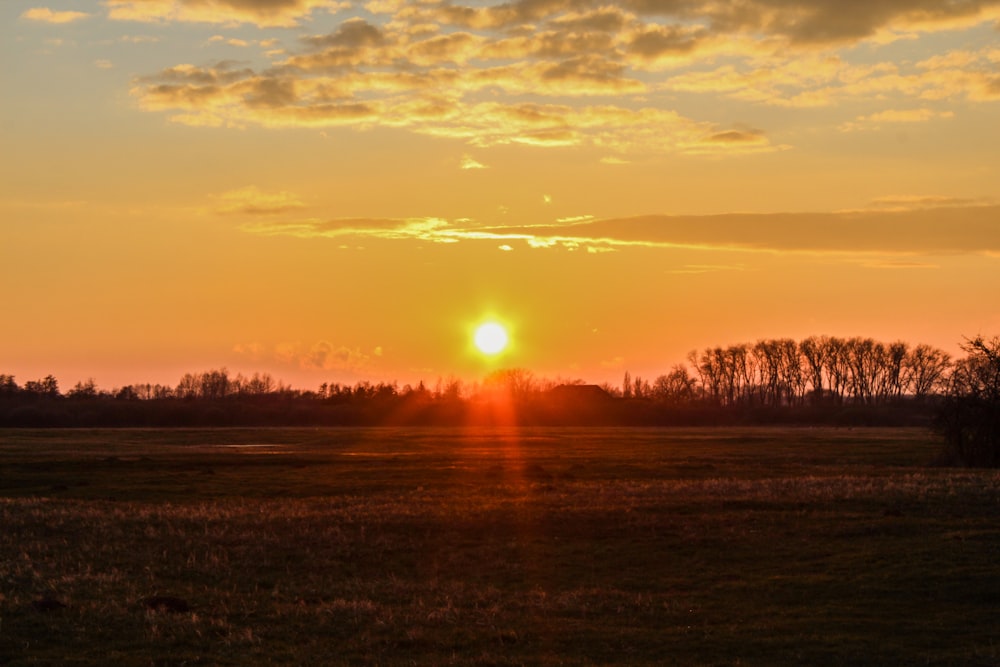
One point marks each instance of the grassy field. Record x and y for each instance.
(495, 547)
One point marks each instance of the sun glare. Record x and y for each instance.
(491, 338)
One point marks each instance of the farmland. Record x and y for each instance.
(538, 546)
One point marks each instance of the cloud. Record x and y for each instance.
(325, 356)
(252, 201)
(745, 140)
(915, 202)
(572, 73)
(434, 230)
(254, 350)
(895, 266)
(468, 162)
(660, 46)
(907, 116)
(231, 41)
(802, 23)
(139, 39)
(812, 23)
(951, 230)
(823, 80)
(690, 269)
(46, 15)
(321, 355)
(222, 95)
(614, 363)
(895, 116)
(263, 13)
(735, 137)
(919, 230)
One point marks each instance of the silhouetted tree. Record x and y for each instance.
(8, 387)
(814, 351)
(896, 380)
(676, 387)
(47, 387)
(641, 388)
(188, 386)
(517, 383)
(970, 416)
(214, 384)
(127, 393)
(260, 384)
(86, 389)
(926, 370)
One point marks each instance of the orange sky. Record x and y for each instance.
(332, 191)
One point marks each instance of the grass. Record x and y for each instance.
(496, 547)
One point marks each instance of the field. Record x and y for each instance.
(494, 547)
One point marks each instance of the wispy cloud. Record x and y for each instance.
(895, 116)
(898, 265)
(573, 219)
(917, 231)
(469, 162)
(917, 202)
(252, 201)
(706, 268)
(46, 15)
(139, 39)
(231, 41)
(321, 355)
(263, 13)
(324, 356)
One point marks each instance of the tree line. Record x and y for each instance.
(819, 370)
(816, 370)
(821, 379)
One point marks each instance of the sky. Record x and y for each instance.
(336, 191)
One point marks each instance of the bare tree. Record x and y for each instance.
(926, 369)
(676, 387)
(814, 351)
(970, 417)
(214, 384)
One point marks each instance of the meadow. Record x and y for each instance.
(531, 546)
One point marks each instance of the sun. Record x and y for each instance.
(491, 338)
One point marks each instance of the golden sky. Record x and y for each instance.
(330, 190)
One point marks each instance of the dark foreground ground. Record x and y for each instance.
(494, 547)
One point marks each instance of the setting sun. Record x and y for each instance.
(491, 338)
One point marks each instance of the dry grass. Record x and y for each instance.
(539, 547)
